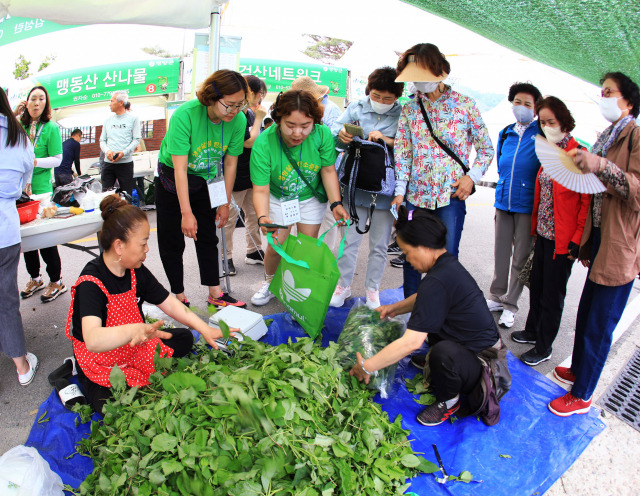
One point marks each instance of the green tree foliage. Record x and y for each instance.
(325, 48)
(46, 62)
(21, 70)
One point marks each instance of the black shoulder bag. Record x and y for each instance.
(441, 144)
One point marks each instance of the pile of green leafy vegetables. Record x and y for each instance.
(365, 332)
(285, 420)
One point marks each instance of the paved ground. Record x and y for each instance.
(608, 466)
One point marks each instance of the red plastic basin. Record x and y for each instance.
(28, 211)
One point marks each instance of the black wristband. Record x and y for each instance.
(260, 218)
(334, 205)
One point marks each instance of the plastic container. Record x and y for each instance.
(134, 199)
(250, 323)
(28, 211)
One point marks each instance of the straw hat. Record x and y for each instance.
(305, 83)
(413, 73)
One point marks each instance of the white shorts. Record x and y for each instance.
(311, 210)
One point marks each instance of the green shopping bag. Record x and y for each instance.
(306, 278)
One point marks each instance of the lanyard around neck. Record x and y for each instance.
(287, 152)
(208, 147)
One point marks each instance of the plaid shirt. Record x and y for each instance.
(430, 172)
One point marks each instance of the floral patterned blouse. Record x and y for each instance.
(546, 226)
(430, 172)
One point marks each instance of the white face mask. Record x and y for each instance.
(609, 108)
(426, 87)
(523, 114)
(381, 108)
(554, 134)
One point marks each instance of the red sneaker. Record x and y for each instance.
(564, 375)
(224, 300)
(568, 405)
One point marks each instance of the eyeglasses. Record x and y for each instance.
(233, 108)
(606, 93)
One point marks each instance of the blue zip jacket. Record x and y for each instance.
(518, 167)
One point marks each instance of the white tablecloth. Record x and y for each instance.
(42, 233)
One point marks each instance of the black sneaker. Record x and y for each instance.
(394, 249)
(255, 258)
(226, 300)
(419, 361)
(437, 413)
(526, 337)
(533, 358)
(232, 268)
(398, 261)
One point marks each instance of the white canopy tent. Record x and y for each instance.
(192, 14)
(184, 14)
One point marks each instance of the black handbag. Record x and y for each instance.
(367, 166)
(442, 145)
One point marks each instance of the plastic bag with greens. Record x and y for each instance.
(366, 333)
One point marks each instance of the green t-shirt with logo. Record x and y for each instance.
(269, 164)
(48, 144)
(191, 133)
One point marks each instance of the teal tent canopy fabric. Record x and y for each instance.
(586, 38)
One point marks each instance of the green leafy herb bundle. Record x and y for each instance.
(366, 333)
(285, 420)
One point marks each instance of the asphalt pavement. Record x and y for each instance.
(609, 466)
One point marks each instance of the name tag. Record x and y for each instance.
(290, 210)
(217, 192)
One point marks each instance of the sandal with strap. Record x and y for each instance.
(69, 394)
(65, 371)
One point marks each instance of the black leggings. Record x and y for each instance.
(454, 370)
(171, 240)
(50, 256)
(97, 395)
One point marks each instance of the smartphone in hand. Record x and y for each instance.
(354, 130)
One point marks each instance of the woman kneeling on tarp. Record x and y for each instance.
(450, 310)
(105, 322)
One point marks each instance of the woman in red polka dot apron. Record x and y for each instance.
(105, 323)
(135, 361)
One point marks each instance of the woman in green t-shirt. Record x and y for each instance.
(205, 137)
(35, 116)
(285, 193)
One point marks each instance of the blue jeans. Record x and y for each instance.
(599, 311)
(453, 217)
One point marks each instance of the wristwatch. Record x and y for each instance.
(334, 205)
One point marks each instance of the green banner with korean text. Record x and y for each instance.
(278, 74)
(94, 84)
(14, 29)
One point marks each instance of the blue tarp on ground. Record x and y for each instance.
(541, 446)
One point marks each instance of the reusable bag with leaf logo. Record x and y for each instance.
(306, 278)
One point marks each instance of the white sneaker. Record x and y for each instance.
(507, 318)
(373, 298)
(25, 379)
(263, 296)
(339, 295)
(494, 306)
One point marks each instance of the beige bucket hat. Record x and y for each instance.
(305, 83)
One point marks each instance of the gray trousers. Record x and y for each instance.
(381, 225)
(512, 246)
(12, 341)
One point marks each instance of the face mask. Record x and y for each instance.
(523, 114)
(553, 134)
(609, 109)
(381, 108)
(423, 87)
